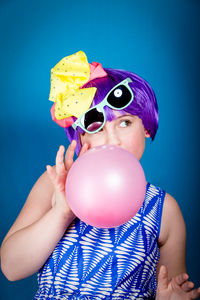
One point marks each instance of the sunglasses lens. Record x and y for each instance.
(92, 120)
(119, 97)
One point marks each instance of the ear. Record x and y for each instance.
(147, 134)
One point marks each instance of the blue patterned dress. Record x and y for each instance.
(116, 263)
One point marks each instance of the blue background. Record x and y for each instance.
(158, 40)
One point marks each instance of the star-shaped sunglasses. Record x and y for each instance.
(118, 98)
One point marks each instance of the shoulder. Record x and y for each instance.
(172, 223)
(172, 239)
(40, 195)
(36, 205)
(43, 187)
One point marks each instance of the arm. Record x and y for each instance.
(41, 223)
(172, 239)
(171, 272)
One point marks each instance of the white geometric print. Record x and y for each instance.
(115, 263)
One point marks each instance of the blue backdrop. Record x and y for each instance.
(158, 40)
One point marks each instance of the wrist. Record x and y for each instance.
(65, 214)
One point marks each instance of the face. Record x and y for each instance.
(125, 131)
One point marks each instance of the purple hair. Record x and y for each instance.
(144, 104)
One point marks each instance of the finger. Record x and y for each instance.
(70, 155)
(187, 286)
(52, 174)
(195, 294)
(60, 168)
(163, 278)
(84, 148)
(181, 278)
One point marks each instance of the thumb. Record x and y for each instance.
(84, 148)
(163, 278)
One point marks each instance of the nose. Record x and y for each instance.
(112, 137)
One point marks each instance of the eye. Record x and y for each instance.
(125, 123)
(118, 93)
(100, 130)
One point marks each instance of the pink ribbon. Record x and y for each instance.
(96, 71)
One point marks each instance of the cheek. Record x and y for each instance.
(132, 145)
(84, 139)
(92, 140)
(135, 144)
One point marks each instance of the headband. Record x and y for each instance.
(67, 78)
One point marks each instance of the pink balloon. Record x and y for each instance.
(106, 186)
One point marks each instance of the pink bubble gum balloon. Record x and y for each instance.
(106, 186)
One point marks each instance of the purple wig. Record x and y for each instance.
(144, 104)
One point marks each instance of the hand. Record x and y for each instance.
(177, 288)
(58, 175)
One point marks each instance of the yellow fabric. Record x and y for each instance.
(67, 77)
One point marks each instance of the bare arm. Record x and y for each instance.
(172, 238)
(41, 223)
(173, 280)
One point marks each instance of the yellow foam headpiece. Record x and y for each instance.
(67, 78)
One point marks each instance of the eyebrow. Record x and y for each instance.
(120, 117)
